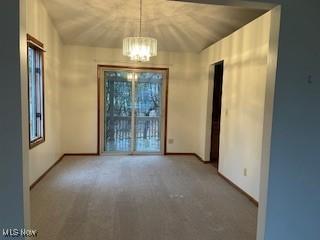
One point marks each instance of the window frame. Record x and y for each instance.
(38, 47)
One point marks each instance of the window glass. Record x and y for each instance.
(36, 101)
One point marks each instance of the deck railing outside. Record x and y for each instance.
(147, 133)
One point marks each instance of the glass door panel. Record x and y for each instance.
(148, 105)
(118, 112)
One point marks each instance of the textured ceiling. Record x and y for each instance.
(177, 26)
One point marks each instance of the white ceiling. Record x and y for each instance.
(177, 26)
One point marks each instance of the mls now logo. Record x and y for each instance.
(15, 232)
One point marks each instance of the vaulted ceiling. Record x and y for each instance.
(177, 26)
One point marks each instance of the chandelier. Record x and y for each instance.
(140, 49)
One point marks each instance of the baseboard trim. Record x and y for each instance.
(81, 154)
(200, 159)
(188, 154)
(46, 172)
(178, 154)
(255, 202)
(57, 162)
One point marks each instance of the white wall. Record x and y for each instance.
(245, 55)
(39, 25)
(80, 96)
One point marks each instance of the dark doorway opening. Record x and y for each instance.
(216, 112)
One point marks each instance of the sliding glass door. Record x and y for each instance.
(118, 112)
(133, 110)
(148, 105)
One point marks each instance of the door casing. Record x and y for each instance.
(217, 78)
(100, 117)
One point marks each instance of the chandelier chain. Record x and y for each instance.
(140, 30)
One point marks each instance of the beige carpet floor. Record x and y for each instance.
(139, 198)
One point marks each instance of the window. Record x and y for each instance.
(36, 92)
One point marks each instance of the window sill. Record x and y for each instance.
(36, 142)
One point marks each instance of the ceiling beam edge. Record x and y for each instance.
(234, 3)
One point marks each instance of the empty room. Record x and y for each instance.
(156, 119)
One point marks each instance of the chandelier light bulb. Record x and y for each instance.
(140, 49)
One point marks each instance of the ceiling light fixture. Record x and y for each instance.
(140, 49)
